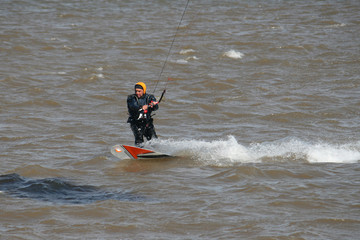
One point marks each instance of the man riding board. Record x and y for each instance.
(140, 105)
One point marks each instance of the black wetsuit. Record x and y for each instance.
(141, 124)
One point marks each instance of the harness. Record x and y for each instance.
(140, 116)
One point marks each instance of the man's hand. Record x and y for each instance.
(152, 104)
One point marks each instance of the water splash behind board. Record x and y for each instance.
(227, 152)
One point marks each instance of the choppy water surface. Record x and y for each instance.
(261, 112)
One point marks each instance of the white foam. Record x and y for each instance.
(218, 152)
(334, 154)
(338, 25)
(228, 151)
(192, 58)
(182, 61)
(186, 60)
(186, 51)
(312, 152)
(233, 54)
(100, 75)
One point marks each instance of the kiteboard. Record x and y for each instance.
(130, 152)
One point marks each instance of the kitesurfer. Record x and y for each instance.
(140, 105)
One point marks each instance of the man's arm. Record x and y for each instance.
(133, 105)
(153, 106)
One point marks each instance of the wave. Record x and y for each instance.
(228, 151)
(233, 54)
(58, 190)
(186, 51)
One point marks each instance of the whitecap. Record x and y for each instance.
(186, 60)
(192, 58)
(182, 61)
(186, 51)
(338, 25)
(100, 75)
(233, 54)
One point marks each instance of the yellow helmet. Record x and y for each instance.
(141, 85)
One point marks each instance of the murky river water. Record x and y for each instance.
(261, 112)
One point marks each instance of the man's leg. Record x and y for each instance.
(150, 131)
(139, 139)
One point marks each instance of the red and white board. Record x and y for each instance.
(130, 152)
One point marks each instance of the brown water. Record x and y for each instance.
(261, 112)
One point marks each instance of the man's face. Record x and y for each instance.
(139, 92)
